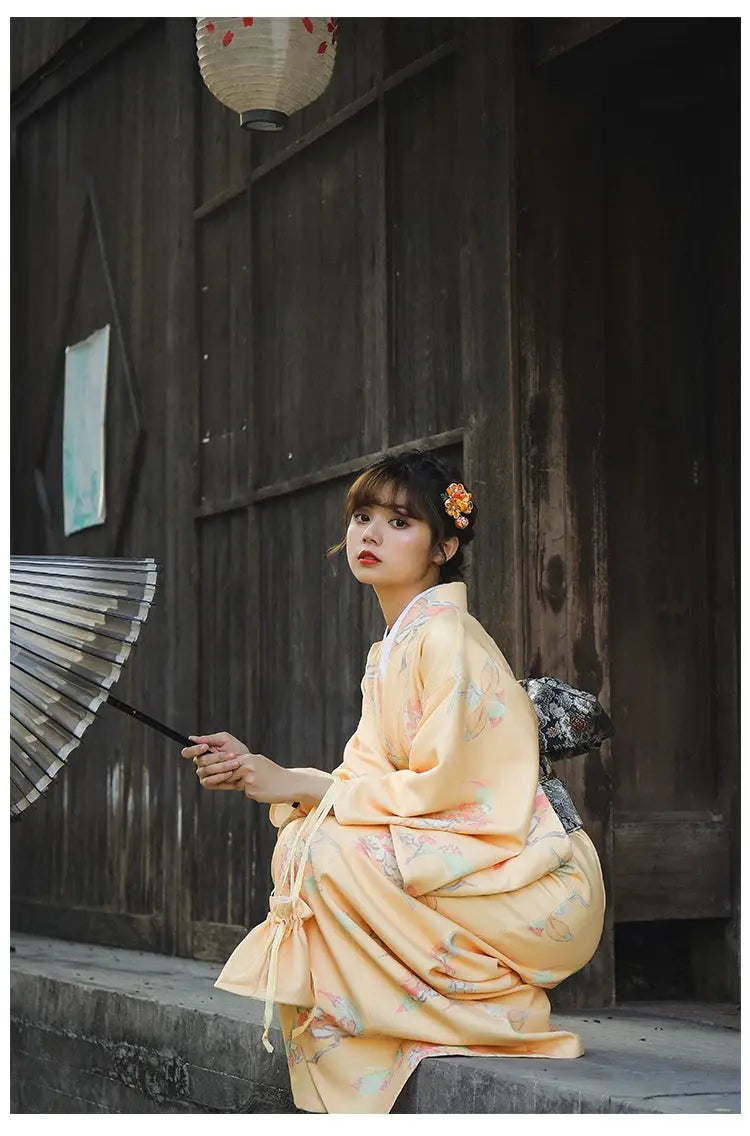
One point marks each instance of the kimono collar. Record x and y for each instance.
(453, 593)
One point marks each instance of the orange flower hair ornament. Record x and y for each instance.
(457, 501)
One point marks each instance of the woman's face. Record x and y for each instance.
(387, 548)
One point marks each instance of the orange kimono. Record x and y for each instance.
(427, 913)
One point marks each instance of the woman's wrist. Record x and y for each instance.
(308, 789)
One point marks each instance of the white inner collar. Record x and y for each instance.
(390, 636)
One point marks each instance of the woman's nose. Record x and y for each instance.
(371, 531)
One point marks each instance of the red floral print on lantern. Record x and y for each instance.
(322, 47)
(210, 27)
(228, 39)
(248, 21)
(333, 30)
(308, 23)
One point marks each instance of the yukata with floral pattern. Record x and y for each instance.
(442, 896)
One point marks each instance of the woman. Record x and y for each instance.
(426, 893)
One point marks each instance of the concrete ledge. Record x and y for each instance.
(98, 1029)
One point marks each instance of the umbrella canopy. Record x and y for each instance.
(73, 623)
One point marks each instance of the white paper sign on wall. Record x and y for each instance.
(84, 420)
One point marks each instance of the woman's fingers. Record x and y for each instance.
(209, 739)
(215, 763)
(215, 780)
(213, 773)
(191, 752)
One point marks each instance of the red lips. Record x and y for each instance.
(368, 558)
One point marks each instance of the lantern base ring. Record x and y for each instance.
(263, 120)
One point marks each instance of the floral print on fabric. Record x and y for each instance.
(485, 699)
(553, 925)
(378, 847)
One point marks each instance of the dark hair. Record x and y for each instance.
(423, 479)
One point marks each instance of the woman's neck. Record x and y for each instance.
(393, 601)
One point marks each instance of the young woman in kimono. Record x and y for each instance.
(426, 893)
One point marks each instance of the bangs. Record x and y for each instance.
(384, 486)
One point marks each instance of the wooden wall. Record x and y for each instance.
(96, 860)
(36, 42)
(624, 434)
(426, 255)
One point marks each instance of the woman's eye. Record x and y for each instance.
(361, 517)
(400, 523)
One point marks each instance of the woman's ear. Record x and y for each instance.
(446, 550)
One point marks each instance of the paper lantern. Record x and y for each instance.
(266, 68)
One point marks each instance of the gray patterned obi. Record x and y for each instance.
(558, 796)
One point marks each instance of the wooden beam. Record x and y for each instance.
(87, 925)
(214, 942)
(96, 40)
(671, 865)
(320, 476)
(325, 127)
(555, 36)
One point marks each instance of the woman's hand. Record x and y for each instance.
(223, 762)
(214, 756)
(224, 744)
(263, 780)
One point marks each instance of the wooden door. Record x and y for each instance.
(671, 239)
(628, 238)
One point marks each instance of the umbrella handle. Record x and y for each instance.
(118, 705)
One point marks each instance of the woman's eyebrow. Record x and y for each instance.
(386, 505)
(393, 506)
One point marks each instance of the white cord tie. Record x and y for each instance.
(306, 831)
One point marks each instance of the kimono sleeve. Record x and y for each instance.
(474, 758)
(364, 754)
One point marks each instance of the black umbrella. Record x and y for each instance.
(73, 624)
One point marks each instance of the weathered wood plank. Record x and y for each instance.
(561, 341)
(671, 865)
(295, 140)
(214, 942)
(88, 925)
(309, 356)
(94, 840)
(34, 41)
(180, 463)
(329, 473)
(422, 195)
(355, 85)
(408, 40)
(222, 242)
(489, 367)
(658, 396)
(554, 36)
(377, 329)
(723, 206)
(93, 42)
